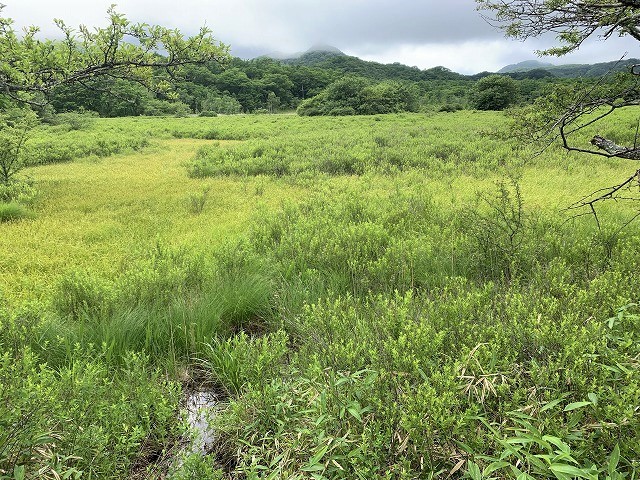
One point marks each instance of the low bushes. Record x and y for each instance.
(426, 343)
(13, 211)
(374, 148)
(81, 420)
(77, 144)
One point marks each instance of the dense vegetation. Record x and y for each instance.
(372, 294)
(391, 296)
(354, 96)
(571, 70)
(266, 85)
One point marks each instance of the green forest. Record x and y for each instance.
(265, 85)
(318, 267)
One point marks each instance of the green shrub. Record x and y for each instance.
(81, 421)
(351, 242)
(506, 237)
(73, 120)
(21, 192)
(13, 211)
(197, 201)
(155, 107)
(307, 425)
(451, 107)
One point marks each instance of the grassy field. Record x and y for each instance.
(398, 296)
(101, 214)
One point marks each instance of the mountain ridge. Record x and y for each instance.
(571, 70)
(328, 56)
(524, 66)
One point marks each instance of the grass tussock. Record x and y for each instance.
(13, 211)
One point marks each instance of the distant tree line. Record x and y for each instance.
(338, 85)
(315, 83)
(256, 85)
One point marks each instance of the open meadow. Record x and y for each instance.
(390, 296)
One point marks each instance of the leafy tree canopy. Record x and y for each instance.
(31, 68)
(495, 92)
(572, 21)
(356, 96)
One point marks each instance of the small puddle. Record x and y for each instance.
(200, 408)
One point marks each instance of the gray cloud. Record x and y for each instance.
(359, 23)
(423, 33)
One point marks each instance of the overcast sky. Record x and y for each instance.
(424, 33)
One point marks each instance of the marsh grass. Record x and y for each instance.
(170, 327)
(375, 295)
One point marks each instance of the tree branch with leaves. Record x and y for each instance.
(31, 68)
(572, 21)
(15, 125)
(567, 110)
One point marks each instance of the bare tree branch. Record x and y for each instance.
(565, 113)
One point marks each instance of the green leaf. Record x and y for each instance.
(593, 398)
(566, 469)
(520, 441)
(423, 375)
(319, 454)
(521, 416)
(313, 468)
(355, 412)
(614, 458)
(551, 404)
(575, 406)
(524, 476)
(557, 442)
(276, 460)
(473, 470)
(464, 446)
(536, 462)
(18, 472)
(70, 472)
(341, 381)
(492, 467)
